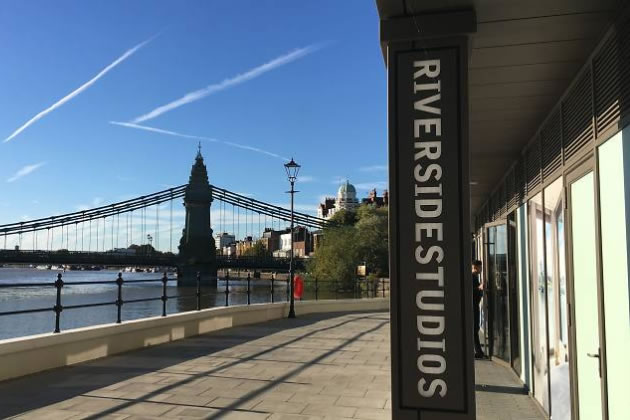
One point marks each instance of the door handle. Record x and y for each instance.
(599, 360)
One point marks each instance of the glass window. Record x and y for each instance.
(538, 293)
(556, 283)
(614, 165)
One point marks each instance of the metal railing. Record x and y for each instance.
(360, 288)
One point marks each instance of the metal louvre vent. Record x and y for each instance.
(502, 200)
(485, 213)
(532, 160)
(607, 84)
(510, 190)
(520, 186)
(623, 50)
(577, 121)
(551, 138)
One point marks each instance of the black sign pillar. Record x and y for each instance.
(431, 302)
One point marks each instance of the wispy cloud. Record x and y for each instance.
(230, 82)
(96, 202)
(308, 208)
(379, 185)
(373, 168)
(202, 138)
(306, 178)
(80, 89)
(25, 171)
(338, 180)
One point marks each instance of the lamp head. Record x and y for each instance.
(292, 169)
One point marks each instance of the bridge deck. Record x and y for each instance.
(314, 367)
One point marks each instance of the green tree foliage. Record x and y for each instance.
(372, 239)
(344, 218)
(347, 245)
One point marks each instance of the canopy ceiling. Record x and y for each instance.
(524, 55)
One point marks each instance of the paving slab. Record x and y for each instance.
(314, 367)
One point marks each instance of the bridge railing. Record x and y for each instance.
(224, 293)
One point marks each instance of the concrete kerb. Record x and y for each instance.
(26, 355)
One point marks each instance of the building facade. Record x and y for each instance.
(553, 237)
(223, 241)
(347, 200)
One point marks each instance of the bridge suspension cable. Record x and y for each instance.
(58, 233)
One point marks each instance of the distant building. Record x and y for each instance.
(317, 239)
(324, 208)
(229, 250)
(271, 239)
(223, 240)
(301, 244)
(347, 200)
(243, 245)
(375, 200)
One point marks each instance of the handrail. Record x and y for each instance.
(361, 287)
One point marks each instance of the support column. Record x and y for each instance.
(197, 250)
(431, 292)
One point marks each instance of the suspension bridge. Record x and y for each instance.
(123, 233)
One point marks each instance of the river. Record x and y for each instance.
(22, 298)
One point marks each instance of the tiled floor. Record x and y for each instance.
(324, 366)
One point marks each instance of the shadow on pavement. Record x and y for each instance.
(18, 396)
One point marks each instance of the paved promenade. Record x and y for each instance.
(325, 366)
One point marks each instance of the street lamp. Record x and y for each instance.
(292, 169)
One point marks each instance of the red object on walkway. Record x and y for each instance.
(298, 287)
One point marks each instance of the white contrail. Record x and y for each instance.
(227, 83)
(25, 171)
(190, 136)
(159, 130)
(80, 89)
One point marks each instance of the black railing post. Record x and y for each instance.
(249, 281)
(198, 291)
(272, 279)
(316, 289)
(227, 291)
(164, 297)
(119, 301)
(336, 289)
(58, 308)
(383, 283)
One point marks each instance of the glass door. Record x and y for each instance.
(515, 346)
(583, 270)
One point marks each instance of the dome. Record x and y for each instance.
(346, 188)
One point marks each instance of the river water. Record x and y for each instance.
(22, 298)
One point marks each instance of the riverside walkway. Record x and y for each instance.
(319, 366)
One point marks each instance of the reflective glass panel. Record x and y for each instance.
(557, 302)
(538, 291)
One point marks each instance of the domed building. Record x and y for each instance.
(346, 200)
(346, 197)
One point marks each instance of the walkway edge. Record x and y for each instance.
(26, 355)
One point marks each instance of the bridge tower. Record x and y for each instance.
(197, 251)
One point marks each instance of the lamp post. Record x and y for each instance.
(292, 169)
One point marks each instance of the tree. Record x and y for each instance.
(348, 245)
(344, 218)
(372, 239)
(335, 261)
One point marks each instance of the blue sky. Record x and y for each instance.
(291, 78)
